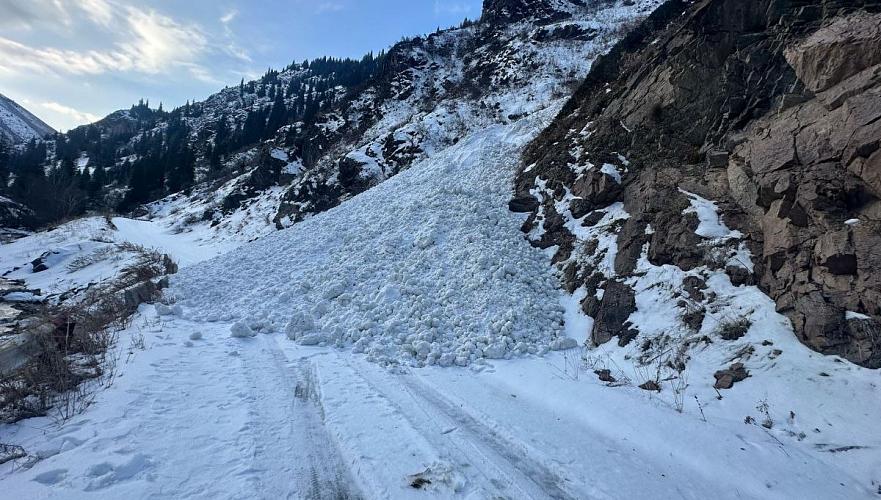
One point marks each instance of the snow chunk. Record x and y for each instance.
(563, 344)
(240, 330)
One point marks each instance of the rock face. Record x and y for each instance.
(771, 108)
(507, 11)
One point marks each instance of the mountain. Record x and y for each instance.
(765, 114)
(318, 132)
(18, 125)
(512, 259)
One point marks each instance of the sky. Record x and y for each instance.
(71, 62)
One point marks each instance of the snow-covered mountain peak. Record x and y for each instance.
(19, 125)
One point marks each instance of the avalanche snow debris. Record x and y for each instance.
(419, 270)
(427, 268)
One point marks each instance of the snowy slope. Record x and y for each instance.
(18, 125)
(90, 251)
(422, 269)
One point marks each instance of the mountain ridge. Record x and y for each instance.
(18, 125)
(326, 107)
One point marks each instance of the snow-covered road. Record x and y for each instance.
(216, 420)
(262, 417)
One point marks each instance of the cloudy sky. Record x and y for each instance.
(73, 61)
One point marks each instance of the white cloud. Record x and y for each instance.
(30, 14)
(230, 46)
(15, 56)
(74, 116)
(457, 8)
(229, 16)
(146, 42)
(323, 7)
(99, 11)
(158, 41)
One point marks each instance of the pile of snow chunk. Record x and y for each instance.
(428, 268)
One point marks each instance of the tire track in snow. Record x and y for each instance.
(293, 454)
(503, 468)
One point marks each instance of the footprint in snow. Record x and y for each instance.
(51, 477)
(106, 474)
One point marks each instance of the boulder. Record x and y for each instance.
(619, 302)
(650, 385)
(523, 204)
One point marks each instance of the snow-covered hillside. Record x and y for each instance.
(200, 413)
(398, 337)
(18, 125)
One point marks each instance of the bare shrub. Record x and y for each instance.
(573, 361)
(87, 260)
(138, 342)
(700, 407)
(73, 343)
(765, 410)
(734, 329)
(679, 384)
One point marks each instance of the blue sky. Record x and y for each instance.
(73, 61)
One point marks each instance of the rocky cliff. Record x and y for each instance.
(766, 111)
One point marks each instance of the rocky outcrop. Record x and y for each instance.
(507, 11)
(617, 304)
(771, 108)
